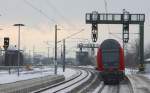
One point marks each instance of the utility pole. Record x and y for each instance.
(19, 25)
(64, 55)
(48, 53)
(141, 65)
(56, 49)
(30, 57)
(33, 51)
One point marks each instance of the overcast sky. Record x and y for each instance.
(40, 16)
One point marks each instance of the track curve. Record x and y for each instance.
(68, 84)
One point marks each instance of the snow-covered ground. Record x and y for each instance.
(147, 75)
(130, 71)
(140, 81)
(133, 71)
(88, 66)
(127, 70)
(36, 72)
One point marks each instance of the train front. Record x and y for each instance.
(110, 62)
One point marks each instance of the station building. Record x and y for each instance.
(11, 58)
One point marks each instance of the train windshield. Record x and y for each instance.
(110, 58)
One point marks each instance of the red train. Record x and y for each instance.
(110, 62)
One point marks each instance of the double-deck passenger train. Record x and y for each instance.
(110, 61)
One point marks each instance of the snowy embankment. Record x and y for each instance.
(147, 75)
(35, 73)
(140, 81)
(130, 71)
(133, 71)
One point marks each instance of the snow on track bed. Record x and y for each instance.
(60, 83)
(123, 87)
(67, 86)
(88, 82)
(91, 84)
(111, 89)
(77, 83)
(140, 83)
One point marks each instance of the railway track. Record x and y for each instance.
(85, 81)
(123, 87)
(57, 85)
(91, 84)
(77, 83)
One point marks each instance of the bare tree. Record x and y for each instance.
(147, 52)
(132, 55)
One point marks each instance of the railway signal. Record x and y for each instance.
(94, 26)
(6, 43)
(94, 32)
(92, 46)
(126, 18)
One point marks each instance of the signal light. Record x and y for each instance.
(126, 26)
(6, 42)
(94, 32)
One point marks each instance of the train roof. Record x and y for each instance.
(110, 44)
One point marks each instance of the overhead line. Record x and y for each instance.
(106, 10)
(60, 14)
(40, 11)
(120, 38)
(74, 34)
(71, 35)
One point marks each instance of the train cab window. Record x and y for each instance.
(110, 58)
